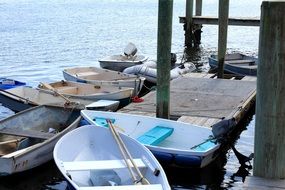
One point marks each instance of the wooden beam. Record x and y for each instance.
(269, 144)
(239, 21)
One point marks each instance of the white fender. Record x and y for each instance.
(150, 73)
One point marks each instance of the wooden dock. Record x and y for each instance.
(202, 99)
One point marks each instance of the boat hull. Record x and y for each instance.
(188, 145)
(96, 144)
(16, 105)
(90, 92)
(121, 62)
(234, 66)
(21, 98)
(10, 83)
(130, 81)
(39, 152)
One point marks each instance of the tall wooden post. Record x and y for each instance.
(165, 12)
(198, 27)
(198, 10)
(269, 144)
(189, 24)
(223, 31)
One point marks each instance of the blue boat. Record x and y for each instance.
(237, 64)
(6, 83)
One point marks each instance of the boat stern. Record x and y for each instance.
(7, 166)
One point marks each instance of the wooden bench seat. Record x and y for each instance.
(67, 89)
(86, 74)
(100, 165)
(155, 135)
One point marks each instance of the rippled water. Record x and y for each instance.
(40, 38)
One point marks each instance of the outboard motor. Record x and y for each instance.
(130, 50)
(222, 128)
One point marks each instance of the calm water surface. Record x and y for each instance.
(40, 38)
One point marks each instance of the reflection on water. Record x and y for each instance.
(45, 176)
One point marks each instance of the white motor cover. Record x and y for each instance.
(130, 49)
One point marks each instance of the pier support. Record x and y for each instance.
(269, 144)
(197, 27)
(188, 26)
(198, 10)
(165, 12)
(223, 31)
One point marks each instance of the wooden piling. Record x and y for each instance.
(165, 12)
(223, 30)
(197, 27)
(198, 10)
(189, 24)
(269, 147)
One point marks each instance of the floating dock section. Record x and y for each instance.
(202, 99)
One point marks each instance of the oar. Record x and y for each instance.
(11, 141)
(21, 98)
(122, 151)
(48, 86)
(143, 180)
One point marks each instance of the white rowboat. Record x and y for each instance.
(121, 62)
(21, 98)
(97, 76)
(89, 91)
(89, 158)
(172, 142)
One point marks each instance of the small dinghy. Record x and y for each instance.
(150, 73)
(21, 98)
(6, 83)
(27, 139)
(92, 157)
(121, 62)
(237, 63)
(171, 142)
(97, 76)
(88, 91)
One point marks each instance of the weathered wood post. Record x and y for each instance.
(165, 12)
(188, 27)
(223, 31)
(269, 144)
(198, 27)
(198, 10)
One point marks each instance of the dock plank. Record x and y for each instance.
(200, 97)
(203, 121)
